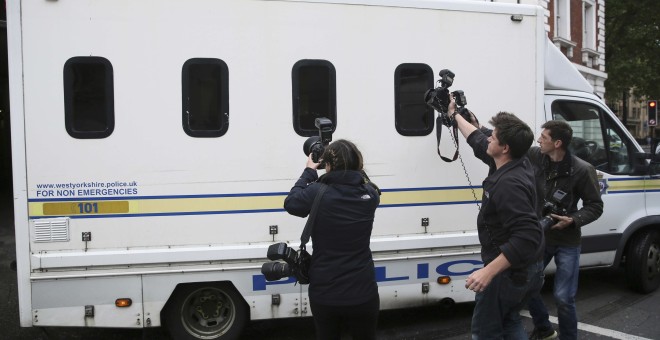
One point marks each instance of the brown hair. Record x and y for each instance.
(342, 155)
(513, 132)
(559, 130)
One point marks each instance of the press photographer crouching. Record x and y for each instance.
(342, 283)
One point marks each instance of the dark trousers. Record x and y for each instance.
(360, 320)
(496, 313)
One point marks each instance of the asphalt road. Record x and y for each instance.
(606, 309)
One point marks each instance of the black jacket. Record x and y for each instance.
(342, 270)
(507, 222)
(578, 180)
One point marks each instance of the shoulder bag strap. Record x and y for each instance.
(307, 232)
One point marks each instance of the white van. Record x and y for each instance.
(154, 142)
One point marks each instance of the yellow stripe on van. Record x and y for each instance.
(210, 204)
(614, 186)
(653, 184)
(227, 204)
(265, 203)
(429, 196)
(157, 206)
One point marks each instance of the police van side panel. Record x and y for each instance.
(142, 203)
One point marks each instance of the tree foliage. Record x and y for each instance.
(632, 52)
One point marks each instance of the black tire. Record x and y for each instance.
(643, 262)
(206, 311)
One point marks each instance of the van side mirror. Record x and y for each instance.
(640, 163)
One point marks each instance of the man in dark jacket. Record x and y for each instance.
(560, 174)
(509, 233)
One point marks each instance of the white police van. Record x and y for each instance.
(154, 142)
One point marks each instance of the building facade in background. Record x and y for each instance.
(577, 27)
(633, 113)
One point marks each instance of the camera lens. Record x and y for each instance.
(309, 144)
(274, 271)
(314, 146)
(546, 222)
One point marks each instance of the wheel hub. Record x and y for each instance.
(209, 308)
(209, 314)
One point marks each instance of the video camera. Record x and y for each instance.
(316, 144)
(555, 205)
(438, 98)
(296, 263)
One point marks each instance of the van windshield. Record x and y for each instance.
(596, 138)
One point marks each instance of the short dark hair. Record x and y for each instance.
(559, 130)
(343, 155)
(513, 132)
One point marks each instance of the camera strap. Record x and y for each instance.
(438, 135)
(307, 232)
(453, 131)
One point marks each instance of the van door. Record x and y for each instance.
(600, 139)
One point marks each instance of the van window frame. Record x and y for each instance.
(222, 106)
(76, 90)
(296, 96)
(399, 113)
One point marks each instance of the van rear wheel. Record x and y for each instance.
(206, 311)
(643, 262)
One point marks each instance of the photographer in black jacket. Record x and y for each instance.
(342, 287)
(558, 170)
(510, 236)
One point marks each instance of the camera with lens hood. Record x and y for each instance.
(555, 205)
(315, 145)
(296, 263)
(439, 98)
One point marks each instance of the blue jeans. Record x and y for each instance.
(497, 311)
(567, 260)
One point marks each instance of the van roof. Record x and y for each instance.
(560, 73)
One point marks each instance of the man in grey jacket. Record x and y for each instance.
(562, 180)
